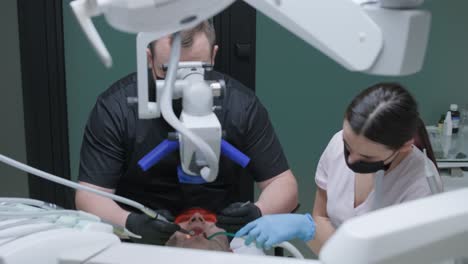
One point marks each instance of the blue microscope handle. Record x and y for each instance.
(159, 152)
(168, 146)
(234, 154)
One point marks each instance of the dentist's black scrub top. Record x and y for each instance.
(115, 140)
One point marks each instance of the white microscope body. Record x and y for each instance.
(197, 113)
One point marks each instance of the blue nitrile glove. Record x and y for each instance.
(271, 230)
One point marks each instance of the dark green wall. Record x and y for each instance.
(86, 75)
(13, 183)
(306, 93)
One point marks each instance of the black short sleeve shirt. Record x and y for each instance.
(115, 140)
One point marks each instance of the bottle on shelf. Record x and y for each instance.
(455, 118)
(448, 126)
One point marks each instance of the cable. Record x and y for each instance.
(151, 213)
(9, 208)
(31, 202)
(34, 217)
(292, 249)
(220, 233)
(27, 222)
(80, 214)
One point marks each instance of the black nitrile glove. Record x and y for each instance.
(237, 215)
(153, 231)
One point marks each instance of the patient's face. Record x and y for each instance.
(202, 229)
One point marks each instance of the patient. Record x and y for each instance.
(202, 223)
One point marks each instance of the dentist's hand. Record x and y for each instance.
(153, 231)
(270, 230)
(237, 215)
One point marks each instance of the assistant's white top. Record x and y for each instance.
(407, 181)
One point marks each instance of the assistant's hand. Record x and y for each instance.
(270, 230)
(237, 215)
(153, 231)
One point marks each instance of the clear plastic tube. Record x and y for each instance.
(9, 208)
(31, 202)
(220, 234)
(38, 217)
(207, 173)
(27, 222)
(80, 214)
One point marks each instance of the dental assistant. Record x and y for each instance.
(380, 130)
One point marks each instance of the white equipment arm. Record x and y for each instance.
(366, 38)
(338, 28)
(362, 37)
(429, 230)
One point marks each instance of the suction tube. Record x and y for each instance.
(75, 185)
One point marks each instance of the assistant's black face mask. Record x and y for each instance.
(366, 167)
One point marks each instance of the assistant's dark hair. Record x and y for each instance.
(387, 113)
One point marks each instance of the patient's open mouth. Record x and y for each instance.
(197, 231)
